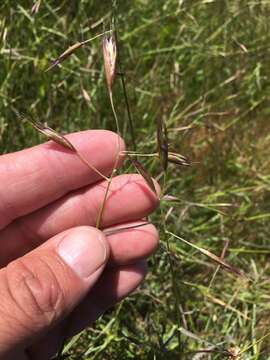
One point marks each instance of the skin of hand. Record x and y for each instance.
(58, 273)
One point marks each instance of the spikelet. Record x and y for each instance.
(52, 134)
(109, 56)
(178, 159)
(35, 7)
(144, 173)
(71, 50)
(57, 138)
(162, 143)
(65, 55)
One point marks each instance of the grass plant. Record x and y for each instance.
(196, 73)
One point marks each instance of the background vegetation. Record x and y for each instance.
(202, 66)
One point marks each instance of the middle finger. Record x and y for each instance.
(129, 199)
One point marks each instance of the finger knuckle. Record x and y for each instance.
(35, 291)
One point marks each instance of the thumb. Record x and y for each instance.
(40, 288)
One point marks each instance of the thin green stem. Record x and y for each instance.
(130, 119)
(122, 76)
(176, 295)
(173, 277)
(123, 82)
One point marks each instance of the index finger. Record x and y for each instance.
(35, 177)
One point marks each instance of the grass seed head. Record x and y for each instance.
(35, 7)
(52, 134)
(65, 55)
(144, 173)
(178, 159)
(162, 143)
(109, 56)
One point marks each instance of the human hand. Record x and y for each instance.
(50, 253)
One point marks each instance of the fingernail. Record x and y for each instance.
(84, 250)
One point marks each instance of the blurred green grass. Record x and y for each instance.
(203, 66)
